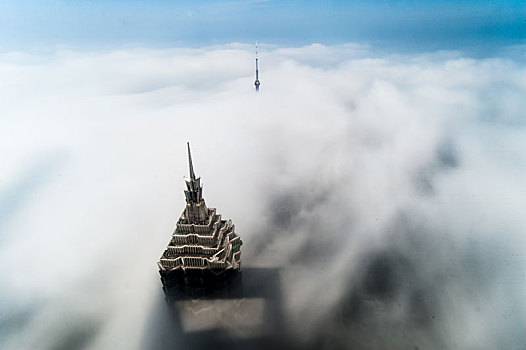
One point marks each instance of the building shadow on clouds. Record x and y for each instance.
(245, 313)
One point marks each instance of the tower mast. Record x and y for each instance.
(190, 165)
(195, 204)
(257, 83)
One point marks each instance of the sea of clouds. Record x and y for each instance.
(388, 189)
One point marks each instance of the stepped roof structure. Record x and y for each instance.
(202, 240)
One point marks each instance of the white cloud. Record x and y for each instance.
(396, 180)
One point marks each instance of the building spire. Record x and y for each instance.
(196, 211)
(191, 166)
(257, 83)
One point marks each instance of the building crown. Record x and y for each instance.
(194, 190)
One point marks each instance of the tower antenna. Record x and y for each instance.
(257, 83)
(191, 166)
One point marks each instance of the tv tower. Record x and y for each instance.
(257, 83)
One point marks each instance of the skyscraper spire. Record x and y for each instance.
(195, 204)
(257, 83)
(191, 166)
(204, 247)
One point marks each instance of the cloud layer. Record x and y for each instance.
(388, 189)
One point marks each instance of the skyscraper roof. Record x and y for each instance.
(202, 240)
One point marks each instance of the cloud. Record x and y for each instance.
(387, 189)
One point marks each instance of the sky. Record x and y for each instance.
(380, 168)
(480, 27)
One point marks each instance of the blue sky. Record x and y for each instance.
(475, 25)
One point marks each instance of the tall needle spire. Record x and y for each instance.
(194, 189)
(192, 175)
(257, 83)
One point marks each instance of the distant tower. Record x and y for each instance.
(257, 83)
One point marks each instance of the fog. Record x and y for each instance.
(388, 190)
